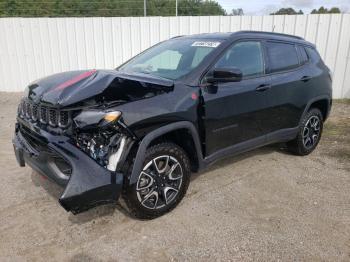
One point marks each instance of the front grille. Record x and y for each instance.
(53, 117)
(28, 110)
(35, 112)
(64, 118)
(43, 114)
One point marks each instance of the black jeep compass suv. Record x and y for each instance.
(140, 130)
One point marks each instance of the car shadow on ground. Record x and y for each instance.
(55, 191)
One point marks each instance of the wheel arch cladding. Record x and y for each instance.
(172, 131)
(322, 105)
(183, 138)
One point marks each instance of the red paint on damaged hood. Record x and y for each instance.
(75, 79)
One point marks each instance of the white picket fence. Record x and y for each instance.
(31, 48)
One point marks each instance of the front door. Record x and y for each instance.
(233, 110)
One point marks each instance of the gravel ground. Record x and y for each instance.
(263, 205)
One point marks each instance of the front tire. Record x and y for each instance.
(309, 133)
(161, 184)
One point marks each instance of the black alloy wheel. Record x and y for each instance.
(162, 182)
(159, 182)
(309, 134)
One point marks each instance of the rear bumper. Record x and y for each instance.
(86, 184)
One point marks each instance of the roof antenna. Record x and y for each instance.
(273, 28)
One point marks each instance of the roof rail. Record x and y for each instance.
(177, 36)
(270, 33)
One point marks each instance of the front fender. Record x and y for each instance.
(145, 142)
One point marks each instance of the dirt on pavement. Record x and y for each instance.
(263, 205)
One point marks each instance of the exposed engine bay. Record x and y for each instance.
(123, 90)
(104, 147)
(98, 146)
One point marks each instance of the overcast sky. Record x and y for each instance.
(262, 7)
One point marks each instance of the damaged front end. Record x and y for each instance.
(86, 164)
(74, 134)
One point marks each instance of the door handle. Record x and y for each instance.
(263, 87)
(305, 78)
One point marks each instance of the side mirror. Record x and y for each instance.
(224, 75)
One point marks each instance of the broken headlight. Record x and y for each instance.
(98, 134)
(96, 118)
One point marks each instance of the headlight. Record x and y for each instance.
(95, 118)
(112, 116)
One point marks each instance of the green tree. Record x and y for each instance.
(237, 12)
(287, 11)
(78, 8)
(323, 10)
(334, 10)
(9, 7)
(200, 7)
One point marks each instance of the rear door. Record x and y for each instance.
(288, 79)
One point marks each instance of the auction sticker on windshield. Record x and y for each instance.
(206, 44)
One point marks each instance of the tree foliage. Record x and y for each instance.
(323, 10)
(287, 11)
(77, 8)
(237, 12)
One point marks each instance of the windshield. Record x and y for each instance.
(171, 59)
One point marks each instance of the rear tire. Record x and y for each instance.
(309, 133)
(161, 184)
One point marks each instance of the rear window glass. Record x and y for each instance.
(281, 56)
(302, 55)
(313, 54)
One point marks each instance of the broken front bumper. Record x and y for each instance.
(86, 183)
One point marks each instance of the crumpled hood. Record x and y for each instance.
(68, 88)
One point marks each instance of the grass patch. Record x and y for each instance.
(338, 129)
(341, 154)
(342, 101)
(336, 132)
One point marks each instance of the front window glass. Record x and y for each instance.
(171, 59)
(246, 56)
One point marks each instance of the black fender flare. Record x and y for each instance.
(313, 100)
(140, 155)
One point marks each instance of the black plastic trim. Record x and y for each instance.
(315, 99)
(278, 136)
(89, 184)
(140, 155)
